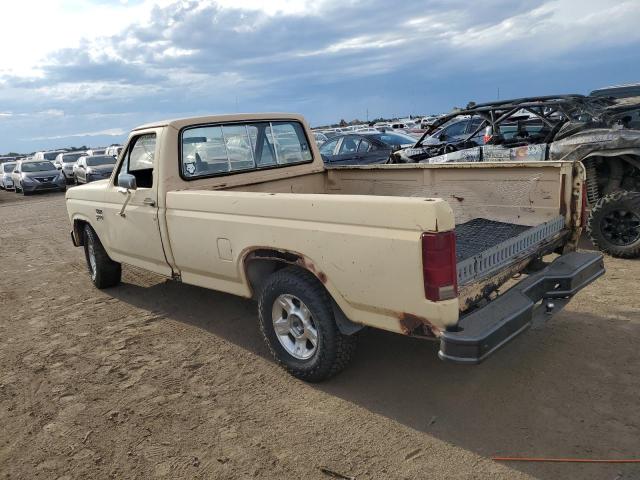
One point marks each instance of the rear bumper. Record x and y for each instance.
(533, 300)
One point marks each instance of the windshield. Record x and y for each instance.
(51, 155)
(8, 167)
(37, 167)
(71, 157)
(102, 160)
(395, 138)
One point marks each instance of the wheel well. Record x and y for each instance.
(611, 173)
(261, 263)
(78, 227)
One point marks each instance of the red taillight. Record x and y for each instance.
(487, 138)
(439, 265)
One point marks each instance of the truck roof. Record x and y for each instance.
(179, 123)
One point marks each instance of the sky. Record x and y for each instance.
(84, 72)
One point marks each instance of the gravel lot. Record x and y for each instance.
(158, 379)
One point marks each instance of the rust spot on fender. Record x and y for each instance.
(411, 324)
(307, 264)
(284, 256)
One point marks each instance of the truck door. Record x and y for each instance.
(131, 216)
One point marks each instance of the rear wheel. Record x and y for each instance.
(298, 326)
(614, 224)
(104, 272)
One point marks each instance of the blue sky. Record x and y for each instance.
(85, 72)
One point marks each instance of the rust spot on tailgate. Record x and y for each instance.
(411, 324)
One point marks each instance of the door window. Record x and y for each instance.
(140, 160)
(348, 146)
(455, 130)
(329, 147)
(364, 146)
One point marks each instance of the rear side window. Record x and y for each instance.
(228, 148)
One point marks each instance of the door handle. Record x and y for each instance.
(149, 201)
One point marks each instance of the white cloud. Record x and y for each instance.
(110, 132)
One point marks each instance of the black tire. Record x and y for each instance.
(24, 192)
(614, 224)
(334, 350)
(107, 273)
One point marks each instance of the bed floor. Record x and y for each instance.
(480, 234)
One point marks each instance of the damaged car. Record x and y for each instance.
(599, 133)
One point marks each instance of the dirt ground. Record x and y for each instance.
(155, 379)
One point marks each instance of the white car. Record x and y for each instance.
(6, 169)
(96, 151)
(113, 150)
(47, 156)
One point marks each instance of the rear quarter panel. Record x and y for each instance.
(365, 249)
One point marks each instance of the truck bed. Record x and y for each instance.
(480, 234)
(484, 246)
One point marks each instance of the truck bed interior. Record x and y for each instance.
(480, 234)
(502, 210)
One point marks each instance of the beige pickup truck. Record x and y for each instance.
(467, 254)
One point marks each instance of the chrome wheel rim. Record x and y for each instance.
(92, 258)
(294, 327)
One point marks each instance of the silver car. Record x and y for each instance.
(6, 169)
(65, 162)
(92, 168)
(31, 176)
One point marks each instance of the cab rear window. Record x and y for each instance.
(222, 149)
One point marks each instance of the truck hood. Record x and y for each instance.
(88, 191)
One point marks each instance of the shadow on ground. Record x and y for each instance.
(561, 391)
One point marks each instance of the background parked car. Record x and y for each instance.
(47, 156)
(96, 151)
(320, 138)
(7, 168)
(360, 149)
(36, 175)
(65, 162)
(91, 168)
(113, 150)
(456, 131)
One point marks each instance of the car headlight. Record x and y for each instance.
(26, 179)
(90, 172)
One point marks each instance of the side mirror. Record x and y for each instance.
(127, 181)
(442, 137)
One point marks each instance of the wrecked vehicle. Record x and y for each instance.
(244, 204)
(597, 131)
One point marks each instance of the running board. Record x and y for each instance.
(495, 258)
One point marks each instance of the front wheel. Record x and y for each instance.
(104, 272)
(614, 224)
(298, 326)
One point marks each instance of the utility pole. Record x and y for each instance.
(367, 115)
(498, 94)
